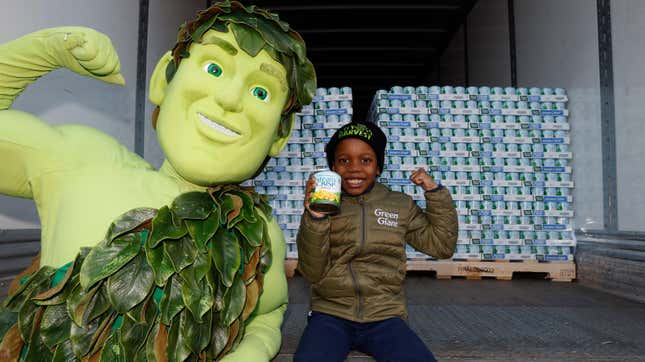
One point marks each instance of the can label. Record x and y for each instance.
(325, 197)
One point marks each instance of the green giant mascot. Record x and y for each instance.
(137, 264)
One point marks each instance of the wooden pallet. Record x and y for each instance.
(557, 271)
(560, 271)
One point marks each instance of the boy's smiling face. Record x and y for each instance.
(355, 161)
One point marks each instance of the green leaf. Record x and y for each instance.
(227, 205)
(104, 260)
(177, 349)
(212, 278)
(239, 336)
(266, 260)
(202, 265)
(225, 250)
(252, 232)
(150, 342)
(164, 228)
(113, 350)
(7, 320)
(49, 297)
(275, 36)
(181, 252)
(234, 301)
(103, 332)
(98, 305)
(235, 215)
(64, 353)
(171, 302)
(81, 337)
(221, 27)
(192, 205)
(196, 294)
(133, 338)
(219, 338)
(26, 316)
(37, 351)
(265, 207)
(197, 334)
(203, 27)
(78, 302)
(130, 285)
(140, 355)
(171, 69)
(146, 311)
(202, 230)
(34, 285)
(129, 221)
(55, 325)
(248, 207)
(160, 263)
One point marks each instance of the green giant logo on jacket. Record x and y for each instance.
(386, 218)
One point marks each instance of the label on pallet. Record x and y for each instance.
(336, 111)
(547, 126)
(306, 112)
(290, 197)
(323, 125)
(301, 140)
(288, 211)
(289, 226)
(332, 97)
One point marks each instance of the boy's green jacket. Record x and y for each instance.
(356, 259)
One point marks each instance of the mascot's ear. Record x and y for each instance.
(280, 142)
(158, 81)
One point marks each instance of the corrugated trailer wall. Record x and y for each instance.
(557, 45)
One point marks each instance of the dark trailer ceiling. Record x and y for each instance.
(371, 45)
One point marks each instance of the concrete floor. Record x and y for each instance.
(491, 320)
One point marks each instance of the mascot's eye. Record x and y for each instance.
(213, 69)
(260, 93)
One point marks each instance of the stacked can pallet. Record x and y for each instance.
(502, 152)
(284, 177)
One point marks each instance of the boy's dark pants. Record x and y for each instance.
(328, 338)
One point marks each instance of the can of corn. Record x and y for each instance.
(325, 197)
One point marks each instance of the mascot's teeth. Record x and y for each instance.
(216, 126)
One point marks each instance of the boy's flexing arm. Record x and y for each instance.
(435, 231)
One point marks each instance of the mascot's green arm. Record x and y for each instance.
(26, 143)
(82, 50)
(263, 336)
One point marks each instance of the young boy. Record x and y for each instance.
(355, 260)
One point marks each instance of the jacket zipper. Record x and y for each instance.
(359, 311)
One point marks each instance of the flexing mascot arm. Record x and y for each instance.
(82, 50)
(25, 141)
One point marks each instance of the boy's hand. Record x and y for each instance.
(421, 178)
(311, 184)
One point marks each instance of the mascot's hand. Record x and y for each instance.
(84, 51)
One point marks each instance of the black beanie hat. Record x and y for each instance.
(367, 132)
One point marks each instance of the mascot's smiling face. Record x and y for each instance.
(219, 115)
